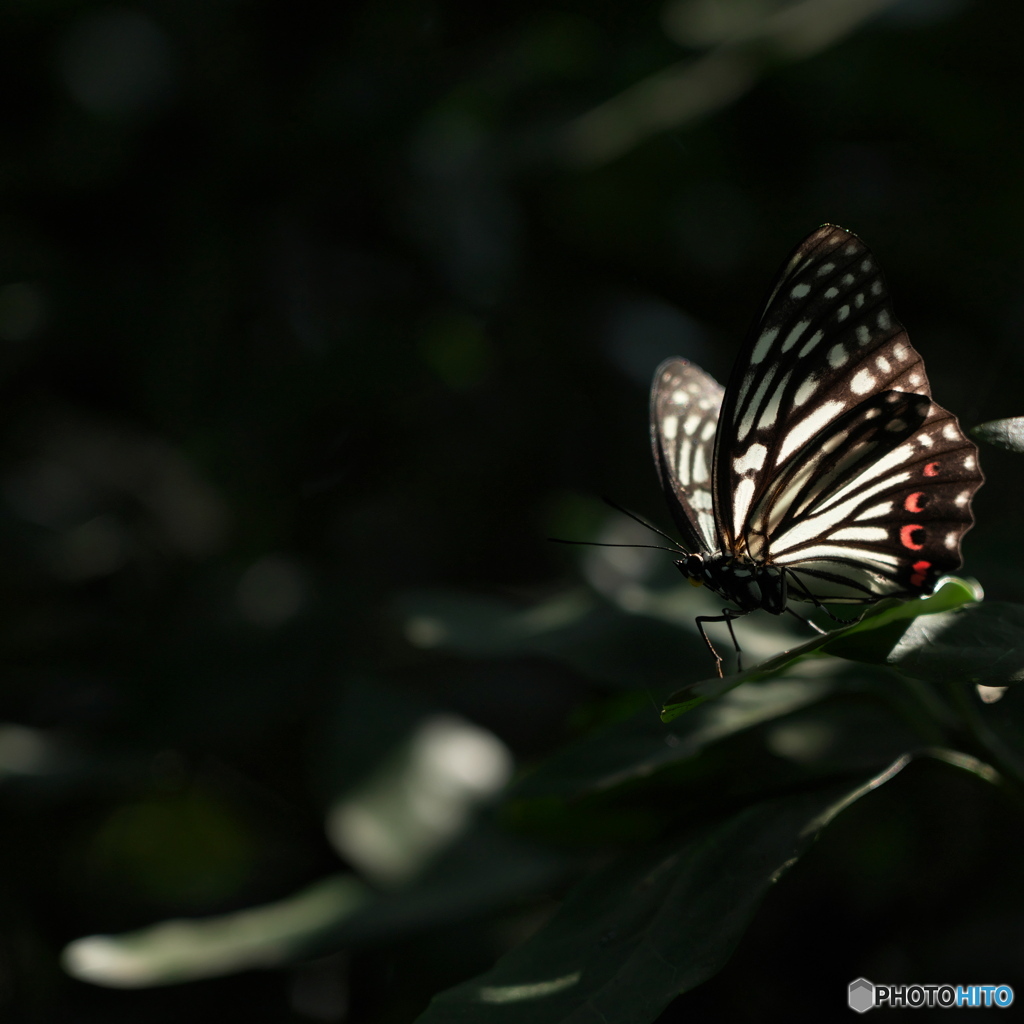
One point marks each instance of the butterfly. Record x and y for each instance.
(823, 472)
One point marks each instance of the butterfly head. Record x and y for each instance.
(693, 569)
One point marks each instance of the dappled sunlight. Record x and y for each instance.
(394, 823)
(747, 38)
(530, 990)
(183, 950)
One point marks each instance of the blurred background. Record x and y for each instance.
(313, 314)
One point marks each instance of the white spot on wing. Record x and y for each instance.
(747, 423)
(709, 430)
(826, 268)
(764, 344)
(884, 320)
(808, 427)
(751, 460)
(950, 433)
(668, 427)
(877, 511)
(842, 313)
(863, 382)
(866, 265)
(800, 290)
(951, 541)
(831, 293)
(970, 462)
(847, 279)
(883, 364)
(900, 351)
(838, 356)
(683, 463)
(805, 391)
(679, 398)
(876, 287)
(811, 342)
(741, 502)
(859, 300)
(691, 424)
(771, 410)
(700, 466)
(864, 533)
(863, 334)
(896, 425)
(794, 335)
(748, 380)
(961, 499)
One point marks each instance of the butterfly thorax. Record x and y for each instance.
(748, 585)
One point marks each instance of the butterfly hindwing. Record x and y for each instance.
(879, 506)
(684, 420)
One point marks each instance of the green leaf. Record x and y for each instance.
(183, 950)
(642, 745)
(981, 644)
(869, 639)
(651, 925)
(1007, 433)
(483, 870)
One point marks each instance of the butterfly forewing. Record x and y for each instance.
(684, 419)
(827, 339)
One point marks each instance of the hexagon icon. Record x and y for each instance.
(861, 996)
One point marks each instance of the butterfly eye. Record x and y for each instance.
(694, 565)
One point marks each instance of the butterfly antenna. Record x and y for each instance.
(676, 546)
(599, 544)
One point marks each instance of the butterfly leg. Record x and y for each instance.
(727, 616)
(807, 622)
(817, 604)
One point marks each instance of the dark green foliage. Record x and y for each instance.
(315, 321)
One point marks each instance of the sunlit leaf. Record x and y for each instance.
(1007, 433)
(981, 644)
(183, 950)
(869, 639)
(643, 744)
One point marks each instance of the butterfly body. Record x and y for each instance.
(824, 472)
(748, 585)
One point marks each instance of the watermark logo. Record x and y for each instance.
(864, 995)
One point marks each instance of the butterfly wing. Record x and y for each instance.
(821, 464)
(684, 417)
(876, 506)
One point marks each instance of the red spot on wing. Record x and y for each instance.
(907, 536)
(920, 571)
(932, 469)
(913, 503)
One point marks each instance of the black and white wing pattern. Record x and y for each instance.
(831, 459)
(684, 419)
(832, 464)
